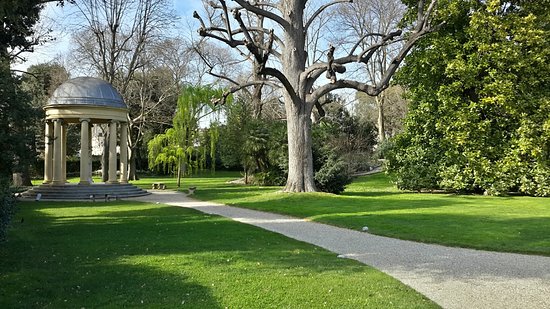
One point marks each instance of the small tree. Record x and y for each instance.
(183, 148)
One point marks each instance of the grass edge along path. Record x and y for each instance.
(516, 224)
(129, 254)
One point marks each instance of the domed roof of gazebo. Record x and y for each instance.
(86, 91)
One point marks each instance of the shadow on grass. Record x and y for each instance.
(73, 281)
(373, 193)
(131, 256)
(231, 193)
(312, 205)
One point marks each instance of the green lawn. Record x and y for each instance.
(130, 254)
(512, 224)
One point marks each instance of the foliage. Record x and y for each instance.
(342, 145)
(40, 82)
(17, 31)
(394, 109)
(184, 148)
(7, 208)
(258, 146)
(480, 114)
(333, 176)
(272, 177)
(133, 254)
(510, 224)
(42, 79)
(17, 35)
(345, 133)
(16, 116)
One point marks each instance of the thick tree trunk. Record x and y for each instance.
(380, 99)
(298, 112)
(257, 101)
(132, 165)
(300, 157)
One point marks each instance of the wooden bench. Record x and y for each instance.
(158, 185)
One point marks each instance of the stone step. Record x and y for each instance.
(84, 192)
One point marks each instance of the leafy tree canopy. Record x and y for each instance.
(183, 149)
(480, 103)
(17, 32)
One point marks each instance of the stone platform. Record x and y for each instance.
(98, 191)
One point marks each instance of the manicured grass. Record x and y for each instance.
(511, 224)
(202, 180)
(130, 254)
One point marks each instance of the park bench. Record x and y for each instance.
(158, 185)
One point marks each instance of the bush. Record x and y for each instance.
(333, 176)
(7, 209)
(272, 177)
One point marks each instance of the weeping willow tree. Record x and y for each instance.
(185, 148)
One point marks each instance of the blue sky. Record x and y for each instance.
(186, 7)
(55, 17)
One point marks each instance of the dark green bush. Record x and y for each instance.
(272, 177)
(333, 176)
(7, 208)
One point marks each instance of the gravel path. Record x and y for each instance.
(452, 277)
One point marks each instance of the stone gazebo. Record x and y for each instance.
(87, 101)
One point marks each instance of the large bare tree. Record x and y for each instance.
(283, 57)
(114, 39)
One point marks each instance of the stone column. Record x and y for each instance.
(112, 152)
(57, 154)
(90, 150)
(84, 151)
(64, 151)
(48, 152)
(124, 152)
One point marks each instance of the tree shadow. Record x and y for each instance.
(311, 206)
(118, 257)
(373, 193)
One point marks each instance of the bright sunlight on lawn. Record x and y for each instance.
(130, 254)
(512, 224)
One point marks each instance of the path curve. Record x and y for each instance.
(451, 277)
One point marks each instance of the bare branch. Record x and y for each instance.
(267, 4)
(339, 84)
(226, 19)
(250, 29)
(282, 78)
(257, 10)
(25, 72)
(239, 87)
(313, 72)
(352, 51)
(321, 9)
(370, 51)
